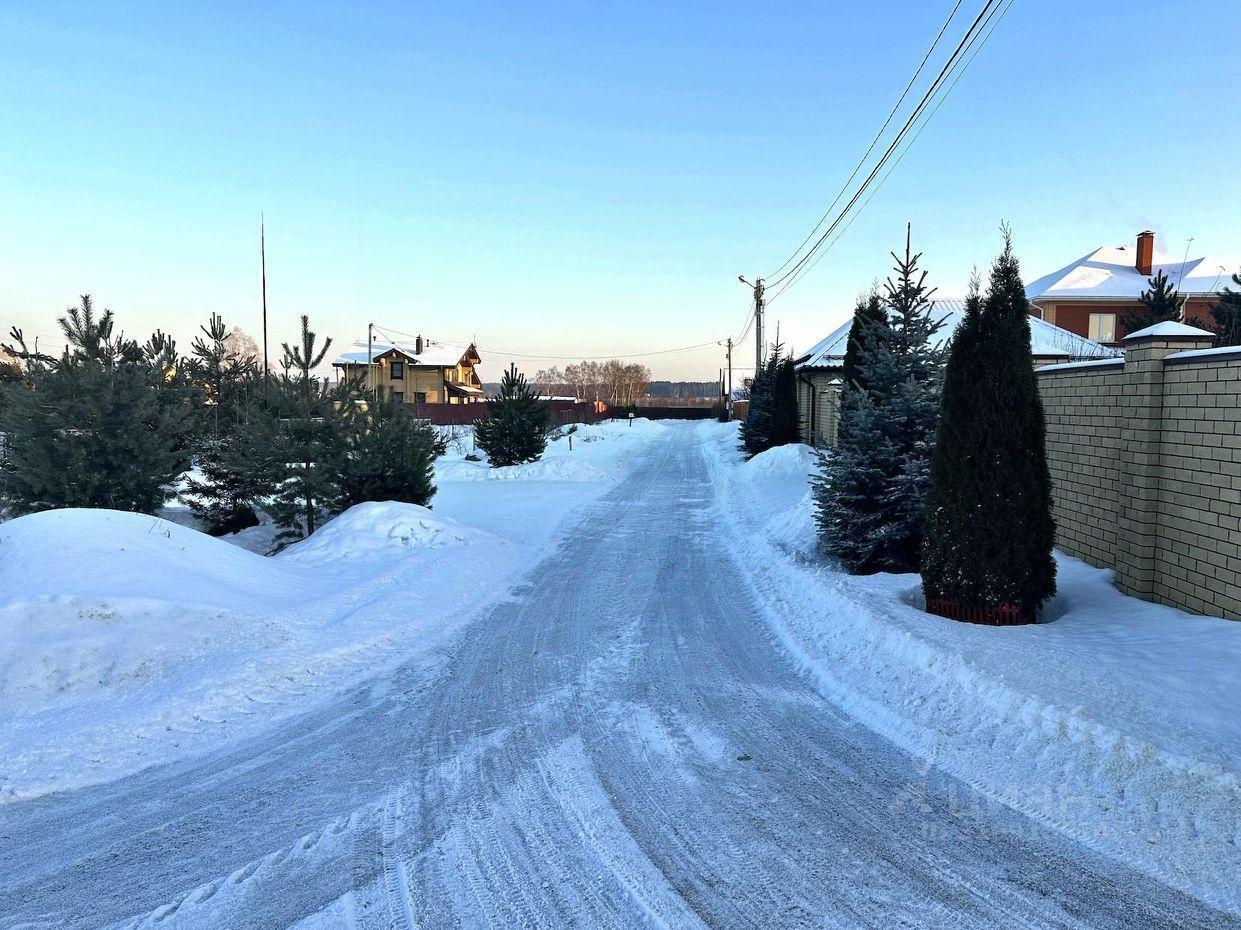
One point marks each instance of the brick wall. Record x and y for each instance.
(1145, 458)
(1083, 407)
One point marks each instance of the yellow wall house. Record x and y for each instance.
(419, 372)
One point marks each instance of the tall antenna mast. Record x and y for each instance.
(263, 277)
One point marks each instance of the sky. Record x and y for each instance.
(579, 179)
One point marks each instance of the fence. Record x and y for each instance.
(1145, 459)
(664, 413)
(563, 411)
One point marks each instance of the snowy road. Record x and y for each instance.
(618, 744)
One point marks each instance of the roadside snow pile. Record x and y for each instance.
(103, 555)
(127, 640)
(383, 530)
(791, 461)
(1116, 723)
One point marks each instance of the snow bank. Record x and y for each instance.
(380, 530)
(128, 640)
(107, 554)
(1116, 723)
(791, 461)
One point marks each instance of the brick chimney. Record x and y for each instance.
(1146, 253)
(418, 344)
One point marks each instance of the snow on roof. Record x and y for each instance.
(1046, 339)
(1109, 273)
(1170, 328)
(434, 354)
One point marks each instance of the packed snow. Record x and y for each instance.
(618, 741)
(126, 640)
(1115, 721)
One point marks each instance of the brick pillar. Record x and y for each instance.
(1141, 428)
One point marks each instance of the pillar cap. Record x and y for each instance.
(1170, 329)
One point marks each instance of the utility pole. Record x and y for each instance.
(728, 402)
(263, 278)
(370, 352)
(759, 304)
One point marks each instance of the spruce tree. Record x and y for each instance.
(867, 313)
(390, 457)
(989, 527)
(91, 428)
(1227, 315)
(1159, 303)
(515, 428)
(870, 493)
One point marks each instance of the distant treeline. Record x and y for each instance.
(671, 390)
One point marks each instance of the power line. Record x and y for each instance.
(977, 47)
(873, 142)
(971, 34)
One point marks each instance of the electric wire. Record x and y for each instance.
(981, 40)
(975, 28)
(873, 142)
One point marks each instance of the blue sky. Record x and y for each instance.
(578, 178)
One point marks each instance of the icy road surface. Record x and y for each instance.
(620, 744)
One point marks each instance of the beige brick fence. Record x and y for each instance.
(1145, 457)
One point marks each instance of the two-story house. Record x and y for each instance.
(1091, 296)
(419, 372)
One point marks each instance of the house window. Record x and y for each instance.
(398, 396)
(420, 397)
(1103, 327)
(398, 370)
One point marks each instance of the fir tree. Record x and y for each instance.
(1227, 315)
(772, 418)
(785, 417)
(870, 494)
(90, 429)
(989, 528)
(390, 457)
(867, 314)
(756, 428)
(516, 425)
(1159, 303)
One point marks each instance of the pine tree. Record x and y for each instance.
(867, 314)
(302, 455)
(1227, 315)
(225, 380)
(391, 455)
(516, 425)
(91, 429)
(871, 491)
(989, 528)
(1160, 303)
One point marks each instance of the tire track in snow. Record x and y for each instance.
(572, 763)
